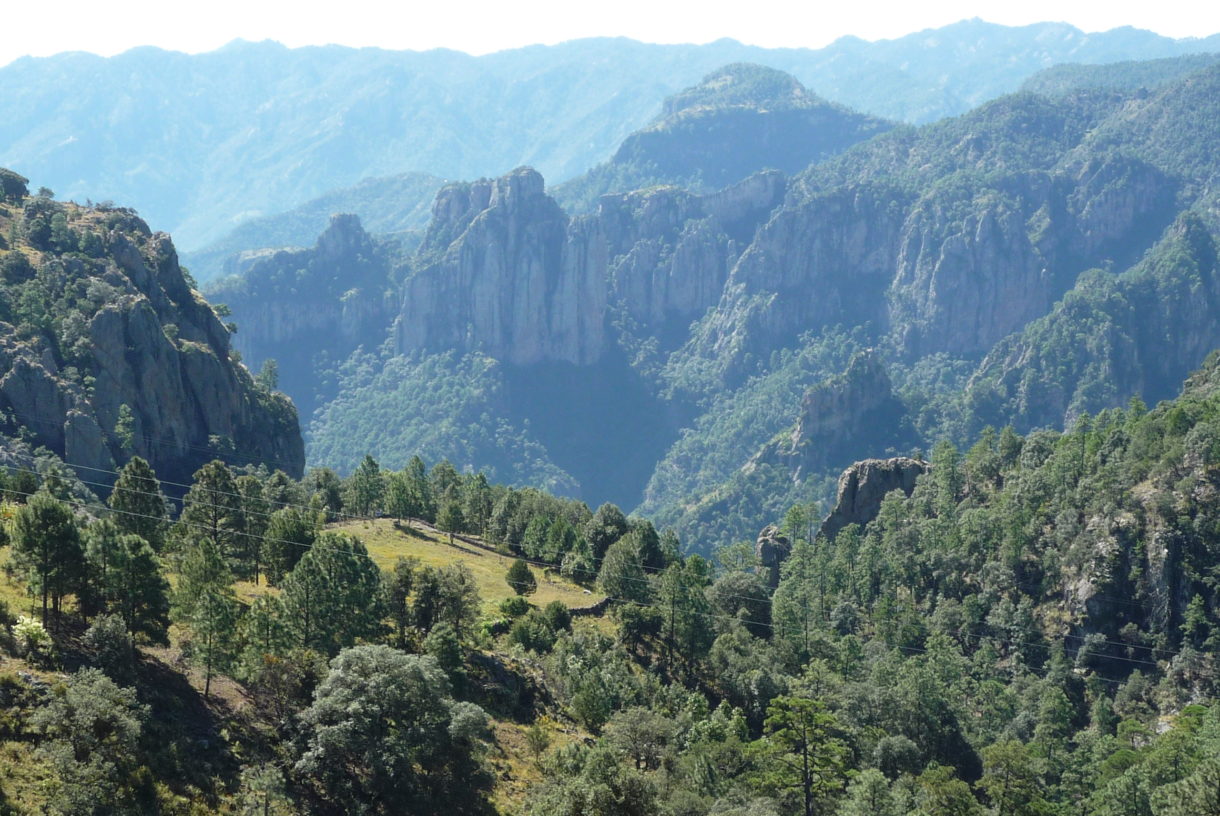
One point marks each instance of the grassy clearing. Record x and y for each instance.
(386, 544)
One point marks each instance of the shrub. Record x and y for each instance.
(113, 648)
(520, 578)
(33, 642)
(514, 607)
(558, 616)
(533, 632)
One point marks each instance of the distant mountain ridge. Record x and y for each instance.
(199, 144)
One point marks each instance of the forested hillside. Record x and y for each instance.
(1030, 630)
(736, 121)
(794, 460)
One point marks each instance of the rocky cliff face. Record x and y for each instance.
(1134, 334)
(507, 273)
(854, 411)
(953, 270)
(865, 484)
(511, 282)
(86, 333)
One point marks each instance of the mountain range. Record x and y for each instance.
(201, 144)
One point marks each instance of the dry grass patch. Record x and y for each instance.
(386, 544)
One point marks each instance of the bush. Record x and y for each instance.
(15, 268)
(514, 607)
(520, 578)
(558, 616)
(7, 619)
(13, 187)
(533, 632)
(33, 642)
(113, 648)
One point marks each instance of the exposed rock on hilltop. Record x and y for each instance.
(854, 411)
(508, 281)
(397, 204)
(865, 484)
(97, 320)
(772, 548)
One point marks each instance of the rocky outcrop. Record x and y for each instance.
(144, 341)
(864, 485)
(507, 273)
(1111, 337)
(853, 411)
(513, 283)
(962, 283)
(771, 548)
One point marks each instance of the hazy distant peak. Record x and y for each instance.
(742, 84)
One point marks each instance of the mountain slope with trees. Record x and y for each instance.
(737, 121)
(660, 349)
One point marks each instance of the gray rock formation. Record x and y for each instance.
(292, 305)
(509, 274)
(863, 486)
(772, 548)
(856, 410)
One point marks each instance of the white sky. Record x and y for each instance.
(480, 26)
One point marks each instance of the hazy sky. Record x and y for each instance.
(479, 26)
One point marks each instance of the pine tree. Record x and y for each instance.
(255, 516)
(139, 504)
(367, 487)
(290, 533)
(127, 580)
(213, 624)
(685, 611)
(212, 509)
(622, 576)
(262, 634)
(333, 595)
(520, 579)
(47, 548)
(204, 601)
